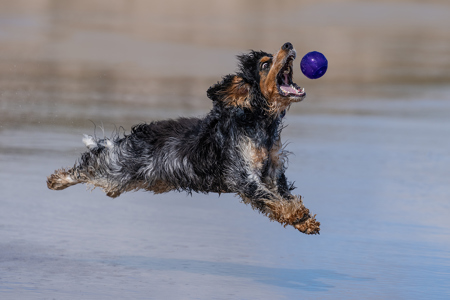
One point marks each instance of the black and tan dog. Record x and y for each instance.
(236, 148)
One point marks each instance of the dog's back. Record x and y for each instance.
(184, 153)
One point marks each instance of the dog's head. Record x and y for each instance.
(263, 80)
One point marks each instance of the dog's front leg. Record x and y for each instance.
(284, 187)
(287, 209)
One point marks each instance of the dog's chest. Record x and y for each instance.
(260, 159)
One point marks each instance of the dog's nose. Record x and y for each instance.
(287, 46)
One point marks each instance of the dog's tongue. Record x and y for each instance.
(289, 89)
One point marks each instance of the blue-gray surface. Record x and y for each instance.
(378, 181)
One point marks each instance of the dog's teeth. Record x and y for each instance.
(284, 91)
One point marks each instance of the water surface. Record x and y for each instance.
(370, 144)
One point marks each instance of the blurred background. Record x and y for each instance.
(65, 62)
(371, 144)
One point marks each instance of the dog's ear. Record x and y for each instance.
(231, 91)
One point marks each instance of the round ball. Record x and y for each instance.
(314, 65)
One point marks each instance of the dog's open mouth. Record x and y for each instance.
(285, 86)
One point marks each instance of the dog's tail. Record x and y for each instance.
(93, 168)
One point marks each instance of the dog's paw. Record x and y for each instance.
(308, 226)
(60, 180)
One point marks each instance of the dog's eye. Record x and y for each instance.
(265, 66)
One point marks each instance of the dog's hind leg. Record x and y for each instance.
(62, 179)
(95, 168)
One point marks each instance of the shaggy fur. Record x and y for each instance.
(236, 148)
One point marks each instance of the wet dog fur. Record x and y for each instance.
(236, 148)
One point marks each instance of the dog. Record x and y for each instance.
(236, 148)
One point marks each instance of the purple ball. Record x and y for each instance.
(314, 65)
